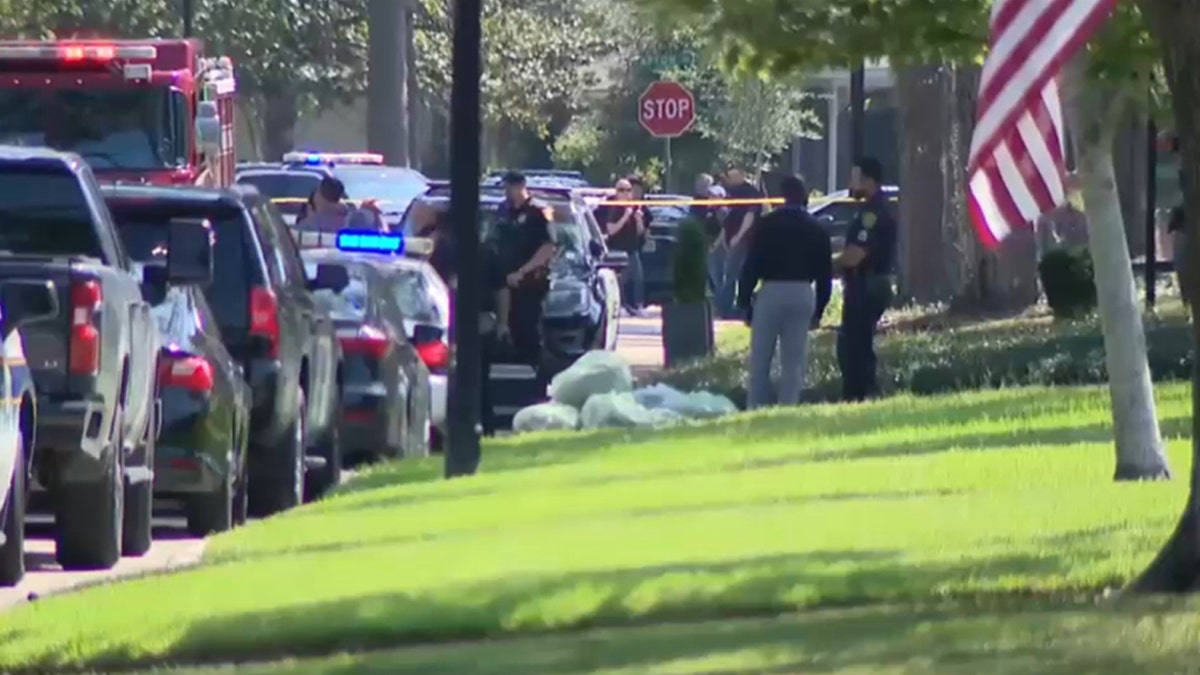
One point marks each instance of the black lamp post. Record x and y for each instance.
(462, 446)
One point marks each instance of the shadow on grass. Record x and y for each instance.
(763, 586)
(950, 638)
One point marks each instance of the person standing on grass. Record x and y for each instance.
(792, 255)
(624, 229)
(728, 253)
(866, 264)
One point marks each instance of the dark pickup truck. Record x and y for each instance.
(94, 364)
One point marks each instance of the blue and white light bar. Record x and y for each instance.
(332, 158)
(367, 241)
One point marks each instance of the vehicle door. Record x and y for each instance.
(412, 383)
(320, 343)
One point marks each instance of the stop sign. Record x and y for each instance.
(667, 109)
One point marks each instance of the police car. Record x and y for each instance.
(409, 299)
(23, 302)
(291, 183)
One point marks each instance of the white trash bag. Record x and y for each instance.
(621, 411)
(694, 405)
(596, 372)
(546, 417)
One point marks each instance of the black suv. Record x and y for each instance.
(271, 324)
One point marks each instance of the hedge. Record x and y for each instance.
(936, 359)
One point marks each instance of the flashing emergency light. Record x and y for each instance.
(366, 241)
(75, 52)
(331, 158)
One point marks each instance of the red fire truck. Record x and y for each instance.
(156, 111)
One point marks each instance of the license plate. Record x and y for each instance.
(650, 246)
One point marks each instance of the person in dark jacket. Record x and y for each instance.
(791, 254)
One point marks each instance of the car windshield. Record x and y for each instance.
(416, 298)
(282, 185)
(144, 232)
(351, 302)
(394, 188)
(43, 211)
(113, 129)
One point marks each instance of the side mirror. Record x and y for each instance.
(596, 248)
(615, 260)
(330, 277)
(825, 219)
(154, 284)
(189, 252)
(208, 128)
(27, 302)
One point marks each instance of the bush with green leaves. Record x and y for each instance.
(984, 355)
(689, 264)
(1068, 280)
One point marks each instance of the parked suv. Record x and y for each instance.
(270, 323)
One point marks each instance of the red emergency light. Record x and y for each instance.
(76, 53)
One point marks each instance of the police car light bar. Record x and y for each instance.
(366, 241)
(76, 52)
(326, 158)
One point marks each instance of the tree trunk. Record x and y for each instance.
(1176, 568)
(1094, 110)
(279, 125)
(922, 122)
(415, 100)
(387, 82)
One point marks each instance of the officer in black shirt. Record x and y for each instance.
(791, 254)
(867, 264)
(525, 249)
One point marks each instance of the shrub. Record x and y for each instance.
(689, 264)
(1068, 281)
(981, 356)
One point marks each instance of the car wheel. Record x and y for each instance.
(212, 513)
(88, 517)
(283, 487)
(12, 552)
(137, 533)
(317, 483)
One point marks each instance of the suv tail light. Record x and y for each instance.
(264, 318)
(193, 373)
(367, 341)
(436, 355)
(84, 354)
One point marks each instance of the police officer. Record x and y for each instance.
(791, 254)
(494, 312)
(525, 250)
(867, 264)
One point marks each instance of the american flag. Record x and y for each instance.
(1015, 170)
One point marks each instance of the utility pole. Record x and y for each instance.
(189, 16)
(387, 82)
(858, 105)
(462, 446)
(416, 115)
(1151, 270)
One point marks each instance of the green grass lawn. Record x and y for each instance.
(962, 498)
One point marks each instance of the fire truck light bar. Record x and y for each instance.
(330, 158)
(76, 52)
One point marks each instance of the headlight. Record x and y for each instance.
(567, 300)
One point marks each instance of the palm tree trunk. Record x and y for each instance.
(1094, 110)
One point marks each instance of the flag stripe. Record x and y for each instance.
(1016, 164)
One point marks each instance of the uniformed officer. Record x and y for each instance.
(791, 254)
(867, 264)
(526, 249)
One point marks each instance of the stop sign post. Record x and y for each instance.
(667, 110)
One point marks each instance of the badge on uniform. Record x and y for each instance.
(868, 219)
(862, 236)
(521, 219)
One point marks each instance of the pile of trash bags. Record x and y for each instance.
(597, 392)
